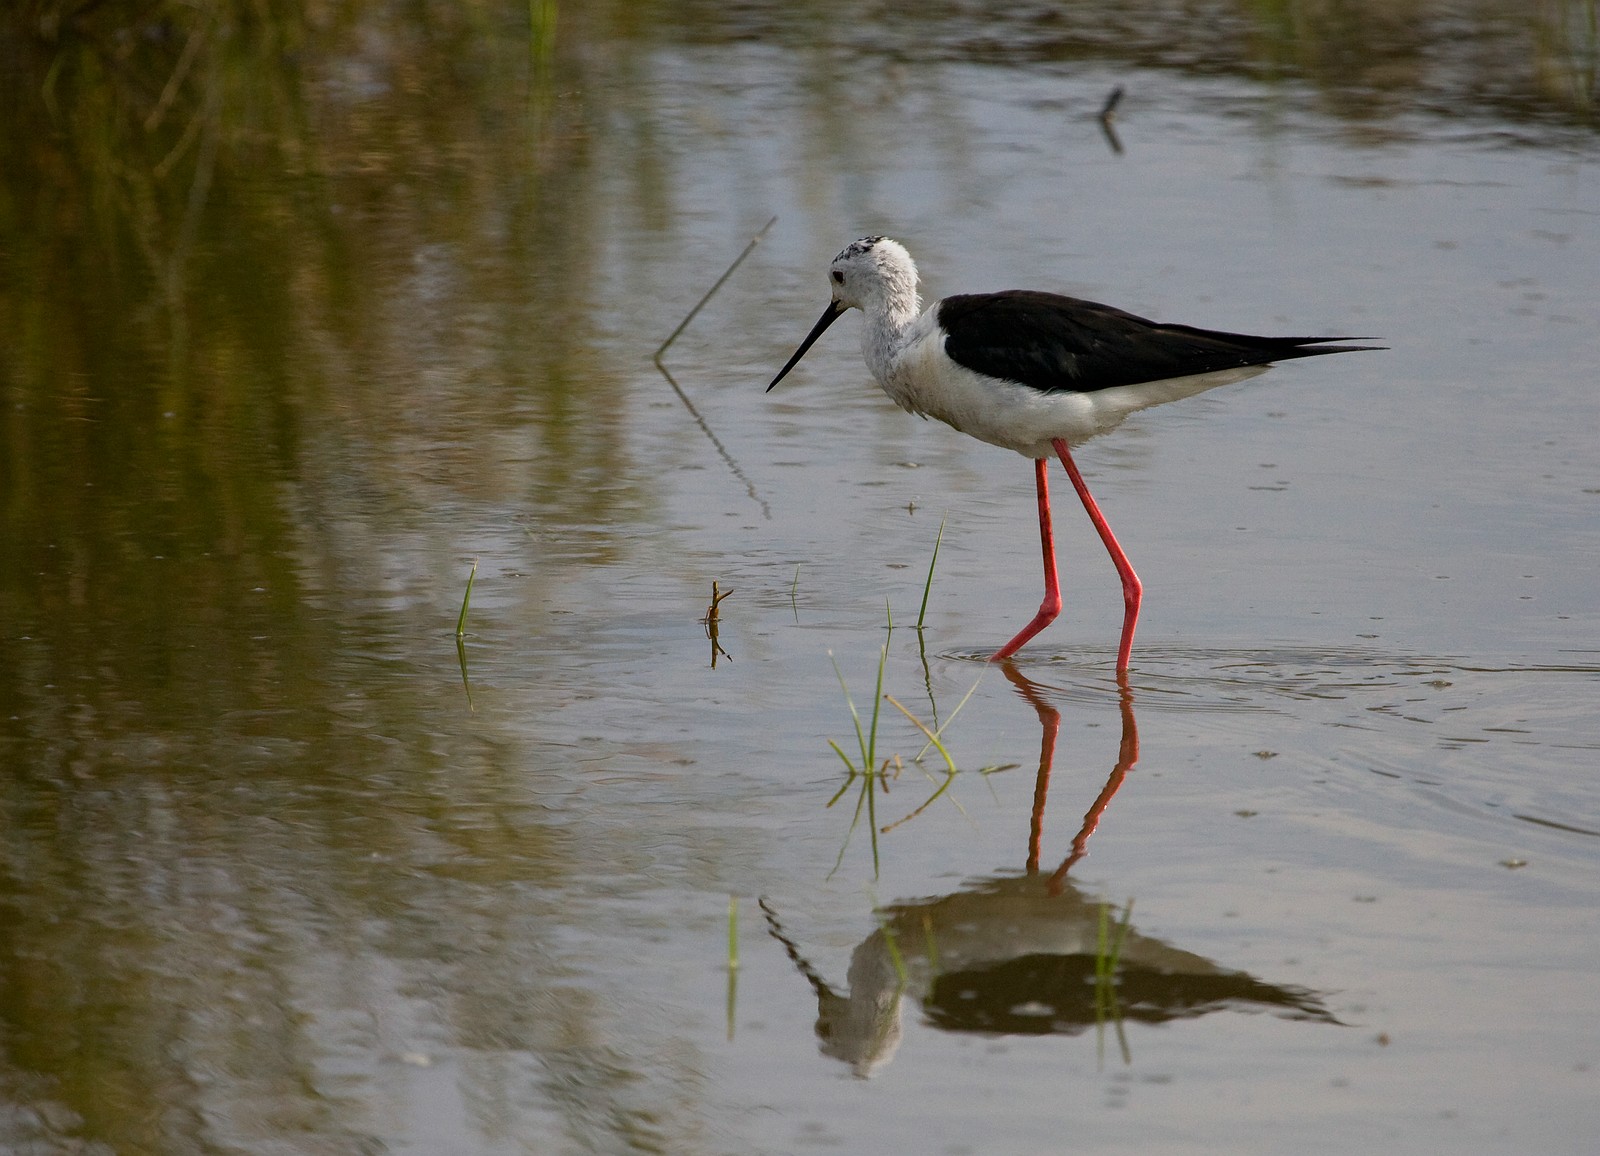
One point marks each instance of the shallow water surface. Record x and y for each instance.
(284, 869)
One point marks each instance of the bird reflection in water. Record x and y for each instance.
(1017, 954)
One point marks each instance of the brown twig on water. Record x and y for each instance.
(711, 292)
(712, 620)
(716, 442)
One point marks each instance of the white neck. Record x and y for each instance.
(891, 316)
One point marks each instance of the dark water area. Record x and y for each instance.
(310, 309)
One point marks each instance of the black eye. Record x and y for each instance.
(838, 277)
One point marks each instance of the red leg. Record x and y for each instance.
(1132, 589)
(1051, 606)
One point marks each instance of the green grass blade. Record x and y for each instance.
(933, 738)
(871, 749)
(866, 754)
(461, 621)
(927, 587)
(952, 718)
(849, 766)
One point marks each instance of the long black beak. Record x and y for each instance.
(829, 315)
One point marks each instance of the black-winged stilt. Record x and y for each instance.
(1034, 372)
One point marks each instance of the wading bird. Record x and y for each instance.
(1035, 373)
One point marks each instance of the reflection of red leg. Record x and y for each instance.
(1132, 589)
(1127, 756)
(1050, 721)
(1051, 606)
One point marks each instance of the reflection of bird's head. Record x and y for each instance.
(863, 1028)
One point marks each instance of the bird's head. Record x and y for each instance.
(873, 274)
(872, 270)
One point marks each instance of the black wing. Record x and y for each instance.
(1051, 342)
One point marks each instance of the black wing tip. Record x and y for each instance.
(1313, 345)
